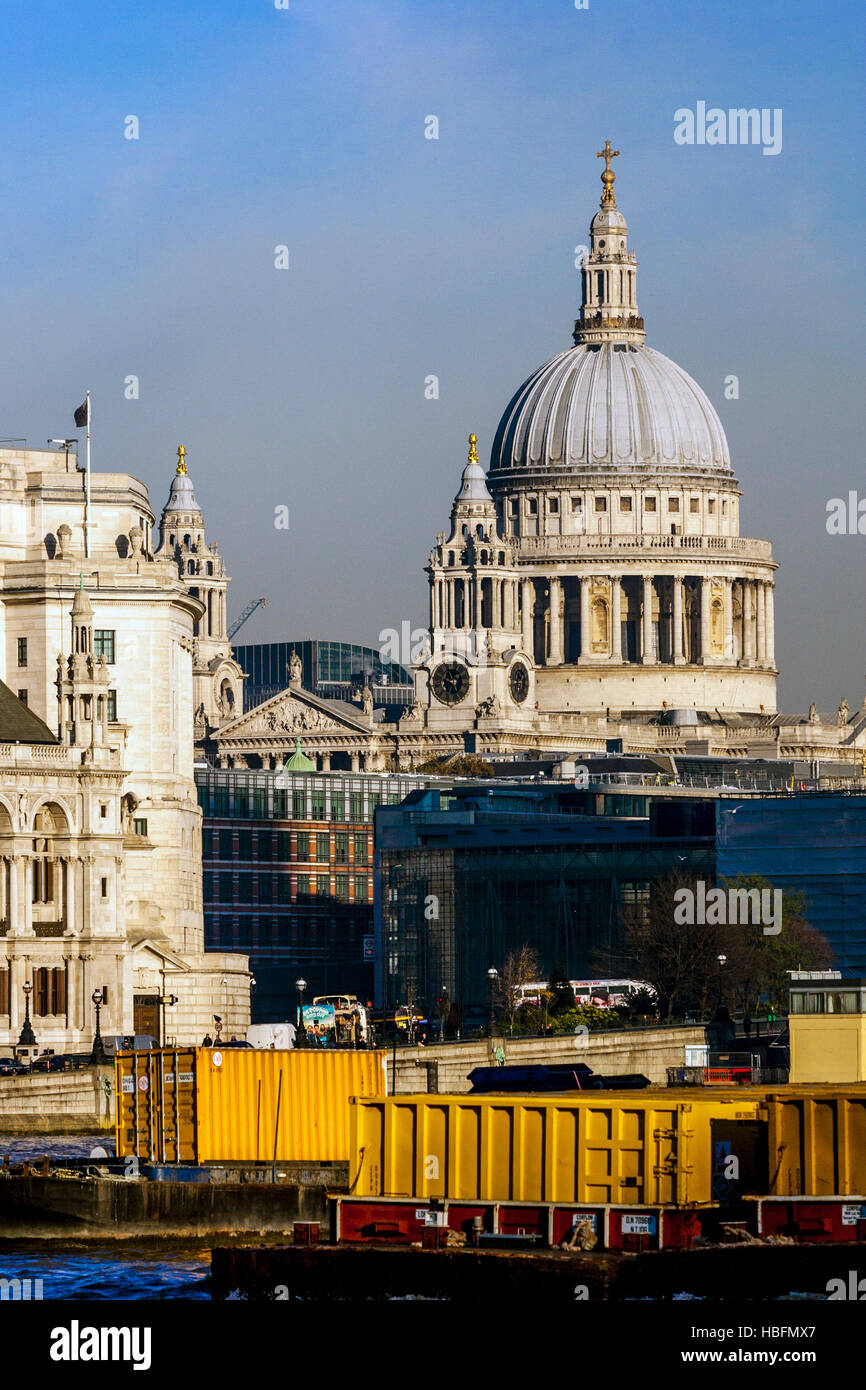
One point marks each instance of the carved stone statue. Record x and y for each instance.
(488, 709)
(843, 713)
(367, 700)
(296, 668)
(128, 805)
(813, 713)
(135, 538)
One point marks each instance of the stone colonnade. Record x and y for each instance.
(730, 617)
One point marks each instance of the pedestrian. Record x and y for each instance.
(747, 1026)
(207, 1040)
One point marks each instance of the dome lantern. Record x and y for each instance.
(608, 311)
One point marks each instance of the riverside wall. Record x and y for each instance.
(445, 1067)
(75, 1102)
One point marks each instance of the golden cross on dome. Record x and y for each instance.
(607, 154)
(181, 459)
(473, 451)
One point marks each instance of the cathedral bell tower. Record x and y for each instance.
(477, 607)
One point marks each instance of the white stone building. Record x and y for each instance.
(598, 566)
(593, 587)
(100, 825)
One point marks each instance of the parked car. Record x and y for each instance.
(49, 1061)
(10, 1066)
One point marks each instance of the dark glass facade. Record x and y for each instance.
(325, 664)
(812, 844)
(467, 878)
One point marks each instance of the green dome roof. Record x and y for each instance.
(299, 762)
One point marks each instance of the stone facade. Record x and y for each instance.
(216, 677)
(100, 826)
(592, 585)
(598, 565)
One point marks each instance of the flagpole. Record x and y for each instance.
(87, 488)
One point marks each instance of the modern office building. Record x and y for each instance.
(288, 872)
(329, 669)
(814, 844)
(469, 875)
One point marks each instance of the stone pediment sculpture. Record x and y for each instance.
(289, 713)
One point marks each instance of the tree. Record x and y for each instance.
(457, 765)
(559, 991)
(680, 956)
(759, 961)
(520, 968)
(679, 961)
(642, 1004)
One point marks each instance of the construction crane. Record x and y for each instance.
(247, 613)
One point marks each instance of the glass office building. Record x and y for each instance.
(470, 875)
(330, 669)
(812, 844)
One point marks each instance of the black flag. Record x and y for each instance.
(82, 415)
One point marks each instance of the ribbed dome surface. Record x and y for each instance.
(181, 498)
(609, 407)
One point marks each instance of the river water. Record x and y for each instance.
(112, 1271)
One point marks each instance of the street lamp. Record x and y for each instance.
(492, 976)
(301, 1038)
(98, 1055)
(722, 961)
(166, 1001)
(28, 1037)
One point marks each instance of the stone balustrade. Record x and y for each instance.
(717, 547)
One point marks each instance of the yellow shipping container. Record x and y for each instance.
(634, 1147)
(205, 1105)
(817, 1141)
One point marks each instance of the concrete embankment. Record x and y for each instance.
(444, 1068)
(93, 1208)
(75, 1102)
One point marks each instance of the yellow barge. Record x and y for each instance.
(678, 1147)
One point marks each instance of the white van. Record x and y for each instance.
(271, 1035)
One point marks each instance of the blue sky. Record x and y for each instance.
(408, 257)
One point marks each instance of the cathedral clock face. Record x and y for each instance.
(518, 682)
(450, 682)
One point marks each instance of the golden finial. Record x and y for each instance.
(608, 200)
(473, 451)
(181, 459)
